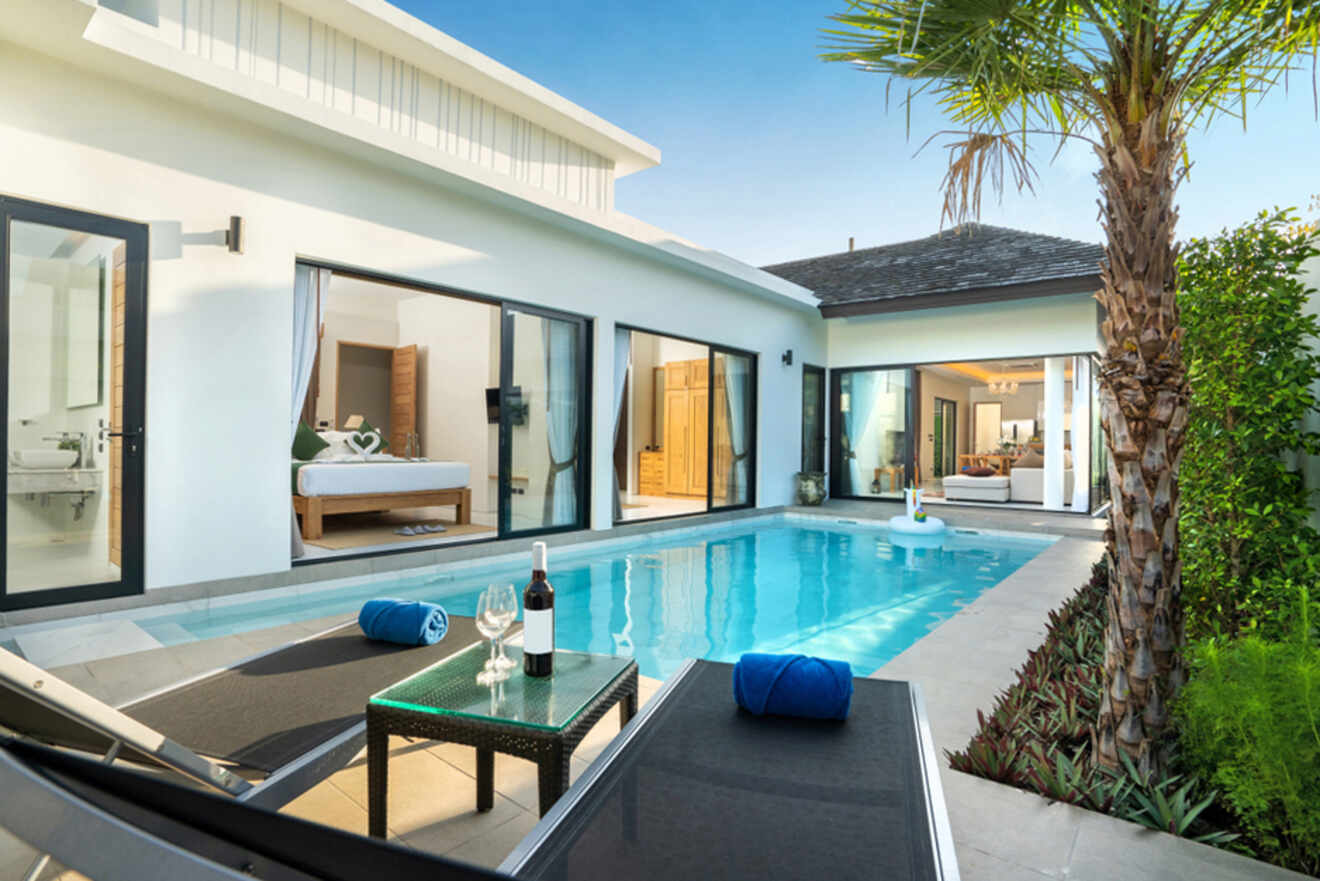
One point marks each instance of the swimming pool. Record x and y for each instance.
(837, 589)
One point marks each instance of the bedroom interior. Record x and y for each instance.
(681, 425)
(413, 365)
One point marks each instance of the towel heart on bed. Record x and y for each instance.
(363, 443)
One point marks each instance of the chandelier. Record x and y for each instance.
(1004, 387)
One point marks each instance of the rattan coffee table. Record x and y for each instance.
(541, 719)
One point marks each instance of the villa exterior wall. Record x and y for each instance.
(220, 325)
(1013, 329)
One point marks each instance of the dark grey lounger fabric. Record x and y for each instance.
(708, 791)
(269, 711)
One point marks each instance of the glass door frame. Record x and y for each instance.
(753, 425)
(752, 441)
(583, 366)
(821, 377)
(836, 427)
(135, 238)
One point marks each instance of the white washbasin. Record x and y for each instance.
(44, 458)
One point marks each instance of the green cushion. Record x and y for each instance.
(367, 428)
(307, 443)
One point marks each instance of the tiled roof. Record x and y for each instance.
(973, 256)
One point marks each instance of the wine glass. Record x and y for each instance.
(508, 606)
(491, 621)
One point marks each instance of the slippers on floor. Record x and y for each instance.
(431, 527)
(405, 530)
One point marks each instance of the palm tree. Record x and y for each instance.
(1130, 77)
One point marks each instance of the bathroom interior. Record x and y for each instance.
(65, 390)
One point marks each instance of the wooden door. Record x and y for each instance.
(699, 405)
(678, 419)
(403, 399)
(118, 316)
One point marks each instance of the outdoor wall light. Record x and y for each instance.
(788, 358)
(234, 235)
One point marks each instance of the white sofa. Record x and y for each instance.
(1028, 484)
(961, 487)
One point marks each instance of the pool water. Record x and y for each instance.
(853, 592)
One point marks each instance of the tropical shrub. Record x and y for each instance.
(1250, 722)
(1244, 509)
(1038, 736)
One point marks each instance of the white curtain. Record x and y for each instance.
(560, 339)
(622, 354)
(737, 382)
(310, 286)
(1081, 433)
(861, 401)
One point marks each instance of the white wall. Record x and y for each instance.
(220, 325)
(1017, 328)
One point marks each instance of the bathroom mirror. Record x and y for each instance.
(83, 358)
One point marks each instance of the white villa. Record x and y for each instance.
(235, 224)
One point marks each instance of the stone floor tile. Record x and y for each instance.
(491, 848)
(975, 864)
(328, 804)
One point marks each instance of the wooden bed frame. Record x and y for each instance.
(312, 508)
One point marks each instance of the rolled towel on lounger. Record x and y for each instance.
(793, 685)
(407, 622)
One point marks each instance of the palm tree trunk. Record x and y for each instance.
(1143, 395)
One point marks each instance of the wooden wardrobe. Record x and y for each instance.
(686, 441)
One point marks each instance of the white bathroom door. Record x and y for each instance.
(72, 348)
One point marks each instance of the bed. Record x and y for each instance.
(349, 484)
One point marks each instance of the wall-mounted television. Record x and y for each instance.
(517, 406)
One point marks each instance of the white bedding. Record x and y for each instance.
(350, 476)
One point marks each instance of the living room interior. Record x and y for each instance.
(989, 432)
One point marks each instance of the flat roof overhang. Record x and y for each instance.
(942, 299)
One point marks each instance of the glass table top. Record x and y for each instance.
(551, 703)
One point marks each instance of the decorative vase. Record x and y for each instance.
(810, 487)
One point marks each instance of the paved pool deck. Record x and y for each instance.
(1001, 833)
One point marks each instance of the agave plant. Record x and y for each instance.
(1128, 77)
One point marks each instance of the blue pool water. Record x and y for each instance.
(844, 591)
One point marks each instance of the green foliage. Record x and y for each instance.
(1250, 721)
(1244, 506)
(1005, 71)
(1038, 736)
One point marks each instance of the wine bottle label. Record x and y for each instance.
(539, 632)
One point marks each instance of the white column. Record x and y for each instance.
(1055, 369)
(601, 504)
(1081, 434)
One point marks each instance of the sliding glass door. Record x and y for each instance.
(732, 429)
(543, 422)
(72, 346)
(873, 448)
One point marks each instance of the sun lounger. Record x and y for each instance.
(263, 731)
(694, 788)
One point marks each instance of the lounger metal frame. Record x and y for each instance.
(559, 824)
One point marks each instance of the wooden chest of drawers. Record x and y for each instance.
(651, 473)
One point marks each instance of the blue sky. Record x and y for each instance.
(769, 154)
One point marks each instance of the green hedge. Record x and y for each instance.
(1244, 509)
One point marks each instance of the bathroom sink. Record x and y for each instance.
(44, 458)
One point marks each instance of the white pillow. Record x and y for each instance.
(338, 441)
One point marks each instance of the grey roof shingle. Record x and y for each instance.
(973, 256)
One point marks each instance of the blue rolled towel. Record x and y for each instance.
(793, 685)
(407, 622)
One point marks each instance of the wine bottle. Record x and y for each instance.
(538, 618)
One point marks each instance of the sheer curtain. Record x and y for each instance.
(560, 339)
(310, 286)
(737, 382)
(1080, 433)
(622, 354)
(861, 401)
